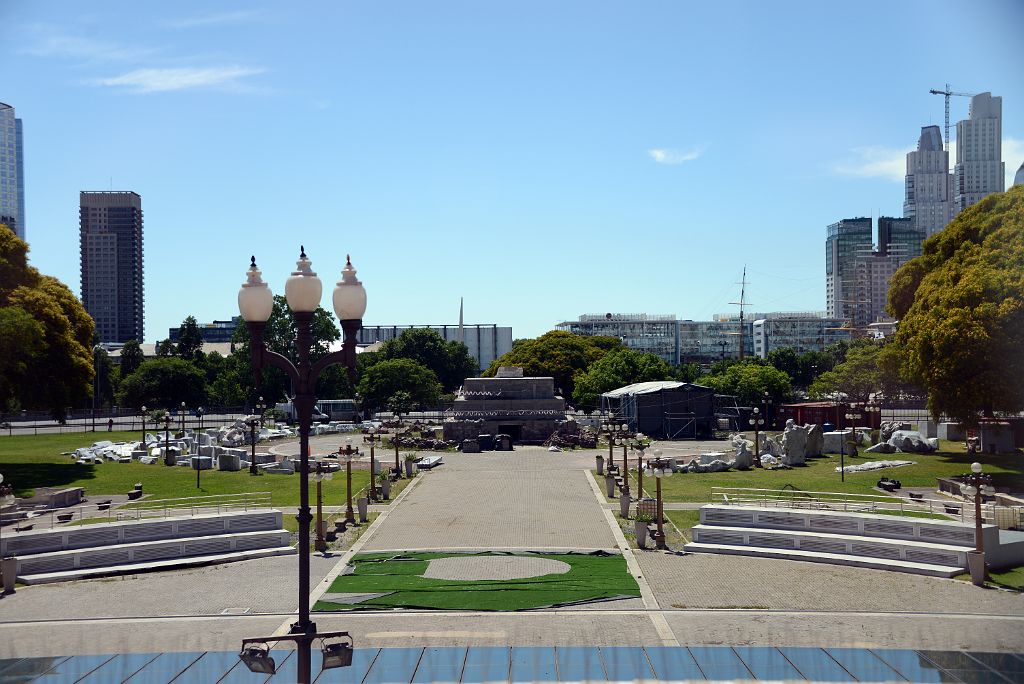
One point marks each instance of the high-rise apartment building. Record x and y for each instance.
(928, 201)
(12, 171)
(979, 155)
(110, 243)
(845, 240)
(857, 275)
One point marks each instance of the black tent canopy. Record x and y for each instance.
(664, 409)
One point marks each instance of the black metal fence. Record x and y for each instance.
(113, 419)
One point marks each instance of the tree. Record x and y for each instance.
(383, 380)
(164, 382)
(400, 403)
(53, 370)
(165, 348)
(451, 361)
(131, 357)
(615, 369)
(190, 339)
(687, 372)
(855, 379)
(961, 311)
(556, 354)
(749, 381)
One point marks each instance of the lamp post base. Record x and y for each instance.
(976, 565)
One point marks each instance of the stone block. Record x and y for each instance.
(881, 448)
(928, 428)
(996, 438)
(835, 442)
(229, 462)
(260, 457)
(201, 462)
(910, 441)
(470, 446)
(815, 441)
(207, 450)
(951, 432)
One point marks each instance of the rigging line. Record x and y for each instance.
(770, 275)
(716, 297)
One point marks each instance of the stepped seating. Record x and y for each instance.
(915, 545)
(135, 546)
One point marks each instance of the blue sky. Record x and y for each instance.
(542, 160)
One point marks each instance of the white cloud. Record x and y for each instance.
(669, 156)
(1013, 156)
(876, 162)
(163, 80)
(49, 42)
(219, 19)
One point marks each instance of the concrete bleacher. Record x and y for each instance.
(905, 544)
(134, 546)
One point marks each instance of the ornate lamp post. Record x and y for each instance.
(252, 422)
(183, 411)
(640, 444)
(346, 456)
(614, 430)
(767, 403)
(374, 438)
(977, 486)
(757, 420)
(200, 412)
(850, 417)
(143, 426)
(303, 291)
(261, 409)
(659, 468)
(167, 439)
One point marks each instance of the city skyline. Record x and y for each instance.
(578, 158)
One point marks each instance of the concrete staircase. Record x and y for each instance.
(917, 545)
(118, 548)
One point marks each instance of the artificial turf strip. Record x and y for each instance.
(591, 577)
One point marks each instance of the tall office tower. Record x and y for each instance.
(844, 241)
(928, 202)
(12, 171)
(979, 156)
(111, 257)
(900, 238)
(1019, 178)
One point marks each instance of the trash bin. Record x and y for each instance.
(486, 442)
(502, 443)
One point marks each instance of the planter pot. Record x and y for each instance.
(362, 504)
(976, 564)
(385, 489)
(641, 533)
(609, 485)
(624, 506)
(408, 468)
(600, 465)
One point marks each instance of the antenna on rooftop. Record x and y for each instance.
(742, 303)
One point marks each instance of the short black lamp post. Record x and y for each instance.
(167, 439)
(851, 418)
(767, 403)
(640, 445)
(346, 456)
(184, 410)
(200, 412)
(253, 422)
(261, 410)
(977, 485)
(303, 291)
(373, 438)
(143, 426)
(659, 468)
(757, 420)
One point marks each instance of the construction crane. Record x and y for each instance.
(947, 92)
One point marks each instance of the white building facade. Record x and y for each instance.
(802, 332)
(485, 342)
(980, 170)
(928, 200)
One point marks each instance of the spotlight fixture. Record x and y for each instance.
(337, 654)
(257, 658)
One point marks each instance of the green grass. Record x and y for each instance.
(819, 475)
(591, 577)
(34, 461)
(1007, 578)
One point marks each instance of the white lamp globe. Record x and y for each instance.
(255, 300)
(303, 289)
(975, 467)
(657, 472)
(349, 295)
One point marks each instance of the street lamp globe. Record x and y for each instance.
(975, 467)
(303, 288)
(349, 294)
(255, 300)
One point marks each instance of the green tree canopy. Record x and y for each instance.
(556, 354)
(450, 361)
(855, 379)
(749, 381)
(617, 368)
(961, 311)
(384, 379)
(131, 357)
(49, 371)
(164, 382)
(401, 403)
(190, 339)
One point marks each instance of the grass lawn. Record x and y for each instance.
(591, 577)
(1008, 578)
(34, 461)
(819, 475)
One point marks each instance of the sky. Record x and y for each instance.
(540, 160)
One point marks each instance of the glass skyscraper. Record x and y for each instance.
(12, 171)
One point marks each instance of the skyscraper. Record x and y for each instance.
(928, 201)
(845, 240)
(979, 156)
(110, 242)
(12, 171)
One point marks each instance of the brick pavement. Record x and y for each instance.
(527, 499)
(703, 580)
